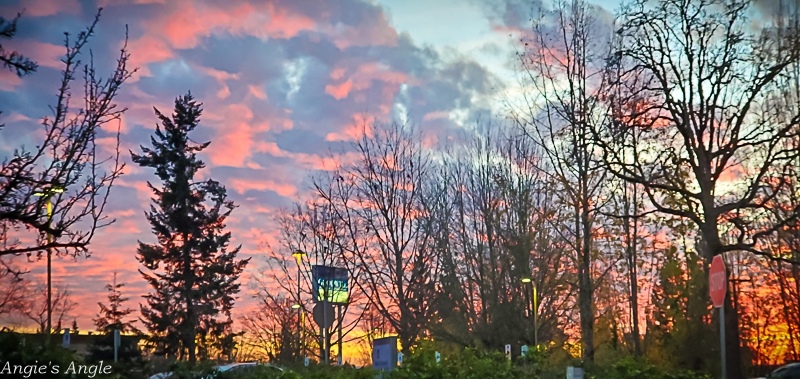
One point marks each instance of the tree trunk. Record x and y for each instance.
(585, 292)
(733, 351)
(189, 337)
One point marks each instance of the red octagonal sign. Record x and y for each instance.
(717, 281)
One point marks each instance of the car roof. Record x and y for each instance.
(232, 365)
(787, 367)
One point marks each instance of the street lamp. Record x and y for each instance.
(299, 254)
(47, 194)
(534, 311)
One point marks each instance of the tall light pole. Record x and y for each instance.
(299, 254)
(48, 195)
(534, 311)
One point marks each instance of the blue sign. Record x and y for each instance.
(331, 283)
(384, 353)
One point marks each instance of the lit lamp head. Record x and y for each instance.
(526, 280)
(48, 191)
(295, 306)
(299, 254)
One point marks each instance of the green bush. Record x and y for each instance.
(630, 368)
(468, 364)
(16, 350)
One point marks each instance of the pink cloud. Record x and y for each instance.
(188, 22)
(236, 131)
(44, 54)
(339, 92)
(257, 92)
(145, 50)
(363, 77)
(43, 8)
(359, 127)
(373, 31)
(8, 80)
(243, 185)
(337, 73)
(435, 115)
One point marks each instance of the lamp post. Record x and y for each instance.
(534, 311)
(299, 254)
(47, 194)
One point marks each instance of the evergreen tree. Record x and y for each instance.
(112, 316)
(193, 274)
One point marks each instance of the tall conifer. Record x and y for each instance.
(193, 274)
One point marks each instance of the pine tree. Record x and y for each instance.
(193, 274)
(112, 316)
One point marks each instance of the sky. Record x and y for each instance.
(284, 84)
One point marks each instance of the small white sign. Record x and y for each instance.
(65, 338)
(305, 361)
(438, 357)
(508, 352)
(574, 373)
(524, 350)
(400, 358)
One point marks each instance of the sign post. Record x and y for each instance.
(718, 285)
(330, 287)
(508, 352)
(384, 354)
(116, 343)
(65, 339)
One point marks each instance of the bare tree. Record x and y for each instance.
(35, 306)
(271, 328)
(66, 167)
(12, 291)
(380, 202)
(313, 228)
(562, 67)
(713, 122)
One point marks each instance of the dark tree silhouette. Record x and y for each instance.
(13, 60)
(193, 274)
(112, 316)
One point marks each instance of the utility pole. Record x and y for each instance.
(48, 195)
(534, 310)
(299, 254)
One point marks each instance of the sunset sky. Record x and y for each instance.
(283, 82)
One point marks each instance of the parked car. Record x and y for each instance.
(245, 367)
(232, 368)
(788, 371)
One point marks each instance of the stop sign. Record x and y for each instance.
(717, 281)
